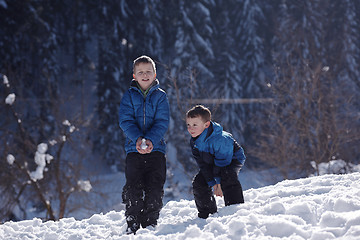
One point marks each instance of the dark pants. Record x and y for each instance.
(143, 191)
(230, 185)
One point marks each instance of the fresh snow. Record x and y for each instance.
(10, 159)
(319, 207)
(10, 99)
(41, 158)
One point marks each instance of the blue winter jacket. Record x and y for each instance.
(144, 116)
(214, 149)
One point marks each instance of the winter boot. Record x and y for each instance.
(132, 225)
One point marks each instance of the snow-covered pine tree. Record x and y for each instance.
(345, 12)
(343, 53)
(227, 67)
(190, 72)
(240, 60)
(252, 35)
(112, 78)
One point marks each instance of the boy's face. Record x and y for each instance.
(144, 74)
(196, 126)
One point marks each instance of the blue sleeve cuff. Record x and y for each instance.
(211, 183)
(217, 180)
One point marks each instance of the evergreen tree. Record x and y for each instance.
(190, 71)
(344, 62)
(240, 60)
(252, 34)
(343, 54)
(112, 72)
(226, 83)
(29, 56)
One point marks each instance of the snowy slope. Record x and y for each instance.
(324, 207)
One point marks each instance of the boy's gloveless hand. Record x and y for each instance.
(146, 150)
(217, 190)
(150, 146)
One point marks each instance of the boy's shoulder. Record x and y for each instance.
(220, 130)
(158, 93)
(219, 136)
(161, 90)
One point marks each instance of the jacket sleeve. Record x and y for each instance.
(205, 168)
(161, 120)
(127, 120)
(239, 153)
(223, 149)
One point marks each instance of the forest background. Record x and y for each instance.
(281, 76)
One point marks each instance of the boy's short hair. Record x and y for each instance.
(199, 111)
(144, 59)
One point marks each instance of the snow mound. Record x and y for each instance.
(321, 207)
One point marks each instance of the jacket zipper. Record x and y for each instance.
(144, 114)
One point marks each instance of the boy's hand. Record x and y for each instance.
(146, 150)
(217, 190)
(150, 146)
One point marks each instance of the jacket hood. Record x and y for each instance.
(216, 129)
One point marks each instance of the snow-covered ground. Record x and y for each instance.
(321, 207)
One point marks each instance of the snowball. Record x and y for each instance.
(143, 144)
(10, 99)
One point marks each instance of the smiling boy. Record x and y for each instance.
(219, 158)
(144, 114)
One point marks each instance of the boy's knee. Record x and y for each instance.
(199, 180)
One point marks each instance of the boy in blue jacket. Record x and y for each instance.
(144, 118)
(219, 158)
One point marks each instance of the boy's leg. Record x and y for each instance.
(154, 180)
(203, 195)
(132, 194)
(230, 184)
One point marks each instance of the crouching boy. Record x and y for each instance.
(219, 158)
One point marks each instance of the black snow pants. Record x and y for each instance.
(143, 191)
(230, 185)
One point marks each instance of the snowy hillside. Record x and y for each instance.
(324, 207)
